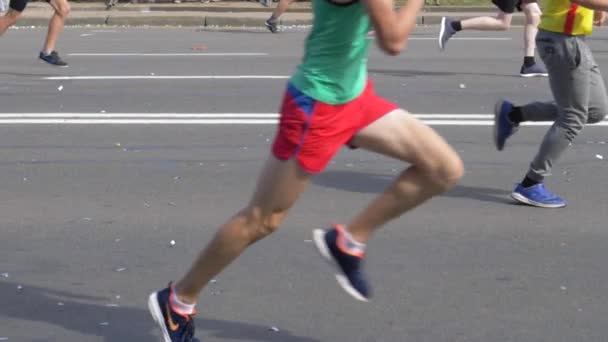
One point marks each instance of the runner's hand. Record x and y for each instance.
(599, 18)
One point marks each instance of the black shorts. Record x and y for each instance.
(508, 6)
(19, 5)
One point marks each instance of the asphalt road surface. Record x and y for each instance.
(153, 135)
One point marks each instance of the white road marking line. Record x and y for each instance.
(140, 115)
(454, 116)
(491, 123)
(209, 115)
(141, 121)
(155, 77)
(462, 38)
(371, 36)
(221, 119)
(225, 122)
(245, 54)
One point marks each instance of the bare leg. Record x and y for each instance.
(281, 8)
(278, 188)
(8, 20)
(533, 13)
(450, 27)
(435, 168)
(62, 10)
(501, 22)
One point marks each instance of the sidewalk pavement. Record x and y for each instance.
(214, 14)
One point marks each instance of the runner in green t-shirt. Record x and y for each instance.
(329, 103)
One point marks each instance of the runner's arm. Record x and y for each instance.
(394, 27)
(599, 18)
(598, 5)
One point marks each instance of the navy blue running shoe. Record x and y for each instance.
(346, 259)
(174, 327)
(503, 127)
(53, 59)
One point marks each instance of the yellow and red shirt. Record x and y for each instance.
(563, 16)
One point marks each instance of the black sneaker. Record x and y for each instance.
(271, 24)
(446, 32)
(53, 59)
(534, 70)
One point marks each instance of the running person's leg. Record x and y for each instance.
(56, 25)
(281, 8)
(16, 7)
(500, 22)
(580, 98)
(435, 167)
(298, 152)
(533, 13)
(279, 186)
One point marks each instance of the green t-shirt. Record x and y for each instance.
(334, 67)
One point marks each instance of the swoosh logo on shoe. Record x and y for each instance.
(170, 323)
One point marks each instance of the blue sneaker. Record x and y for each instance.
(446, 32)
(348, 266)
(503, 127)
(174, 327)
(537, 196)
(53, 59)
(534, 70)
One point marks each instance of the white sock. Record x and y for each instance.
(353, 242)
(349, 242)
(179, 306)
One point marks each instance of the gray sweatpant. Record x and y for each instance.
(579, 92)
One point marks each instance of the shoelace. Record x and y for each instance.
(54, 56)
(545, 193)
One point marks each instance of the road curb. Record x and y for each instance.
(215, 20)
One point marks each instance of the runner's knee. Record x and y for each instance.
(505, 24)
(533, 19)
(12, 17)
(533, 14)
(445, 170)
(63, 10)
(504, 21)
(262, 224)
(571, 128)
(595, 117)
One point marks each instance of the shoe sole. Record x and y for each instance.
(319, 240)
(157, 315)
(533, 75)
(441, 33)
(47, 63)
(497, 110)
(522, 199)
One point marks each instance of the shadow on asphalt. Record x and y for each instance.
(416, 73)
(361, 182)
(91, 316)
